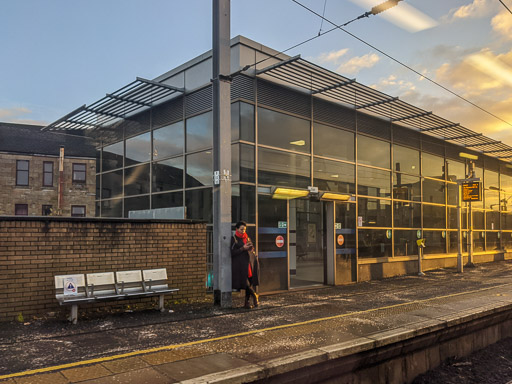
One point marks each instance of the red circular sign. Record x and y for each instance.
(341, 239)
(279, 241)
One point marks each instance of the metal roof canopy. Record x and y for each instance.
(301, 73)
(131, 99)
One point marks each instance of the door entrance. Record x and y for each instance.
(307, 250)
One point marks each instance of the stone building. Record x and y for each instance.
(30, 181)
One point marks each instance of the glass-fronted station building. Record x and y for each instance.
(391, 168)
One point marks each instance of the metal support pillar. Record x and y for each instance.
(460, 264)
(221, 153)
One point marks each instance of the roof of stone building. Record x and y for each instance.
(30, 140)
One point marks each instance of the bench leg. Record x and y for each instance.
(161, 303)
(74, 314)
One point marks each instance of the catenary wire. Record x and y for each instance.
(508, 9)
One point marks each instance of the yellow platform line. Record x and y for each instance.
(175, 346)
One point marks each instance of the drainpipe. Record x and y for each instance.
(61, 178)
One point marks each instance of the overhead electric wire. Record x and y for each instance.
(323, 14)
(402, 64)
(508, 9)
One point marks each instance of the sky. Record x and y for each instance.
(56, 55)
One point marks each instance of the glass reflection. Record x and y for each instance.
(373, 152)
(405, 243)
(113, 156)
(112, 208)
(135, 204)
(333, 142)
(283, 168)
(406, 160)
(112, 184)
(373, 182)
(375, 213)
(168, 174)
(406, 187)
(434, 216)
(283, 131)
(433, 166)
(334, 176)
(199, 204)
(406, 215)
(433, 191)
(168, 141)
(199, 169)
(138, 149)
(435, 242)
(167, 200)
(200, 132)
(243, 203)
(136, 180)
(456, 170)
(374, 243)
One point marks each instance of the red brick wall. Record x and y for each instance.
(34, 250)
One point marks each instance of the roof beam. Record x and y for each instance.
(481, 144)
(464, 136)
(377, 103)
(412, 116)
(128, 100)
(499, 150)
(64, 118)
(99, 112)
(277, 65)
(334, 86)
(157, 84)
(441, 127)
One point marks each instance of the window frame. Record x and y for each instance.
(78, 206)
(22, 170)
(46, 172)
(75, 180)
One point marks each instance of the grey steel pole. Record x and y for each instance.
(460, 266)
(470, 237)
(221, 153)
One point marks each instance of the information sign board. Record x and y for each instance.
(472, 191)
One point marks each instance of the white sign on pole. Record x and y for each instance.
(360, 221)
(70, 287)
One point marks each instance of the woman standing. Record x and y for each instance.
(245, 266)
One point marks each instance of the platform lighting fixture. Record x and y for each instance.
(288, 193)
(468, 156)
(298, 142)
(336, 196)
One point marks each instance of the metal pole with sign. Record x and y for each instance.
(460, 267)
(221, 153)
(471, 191)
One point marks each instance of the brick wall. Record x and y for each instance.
(34, 250)
(35, 195)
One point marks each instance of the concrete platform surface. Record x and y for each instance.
(206, 344)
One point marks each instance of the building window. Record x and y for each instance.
(47, 174)
(21, 209)
(79, 173)
(22, 172)
(46, 210)
(78, 211)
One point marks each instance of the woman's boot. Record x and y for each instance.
(256, 299)
(247, 305)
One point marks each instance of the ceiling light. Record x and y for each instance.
(468, 156)
(336, 196)
(288, 193)
(298, 142)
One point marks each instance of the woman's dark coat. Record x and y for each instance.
(240, 260)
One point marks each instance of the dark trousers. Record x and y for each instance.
(249, 291)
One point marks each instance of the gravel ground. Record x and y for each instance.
(491, 365)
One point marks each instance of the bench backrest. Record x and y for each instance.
(155, 279)
(129, 281)
(78, 280)
(100, 284)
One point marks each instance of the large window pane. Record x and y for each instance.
(199, 204)
(168, 141)
(242, 163)
(406, 160)
(453, 190)
(435, 242)
(433, 166)
(200, 132)
(492, 241)
(138, 149)
(373, 152)
(283, 168)
(243, 203)
(373, 182)
(283, 131)
(136, 180)
(135, 204)
(478, 241)
(112, 184)
(434, 216)
(112, 208)
(112, 157)
(406, 215)
(374, 243)
(334, 176)
(478, 219)
(333, 142)
(242, 122)
(405, 243)
(168, 174)
(199, 169)
(492, 220)
(453, 242)
(506, 220)
(507, 240)
(406, 187)
(456, 170)
(167, 200)
(375, 213)
(433, 191)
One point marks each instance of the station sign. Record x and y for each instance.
(472, 191)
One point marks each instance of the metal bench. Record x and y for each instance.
(74, 290)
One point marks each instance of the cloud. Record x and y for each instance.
(392, 84)
(502, 24)
(19, 115)
(475, 10)
(332, 57)
(355, 64)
